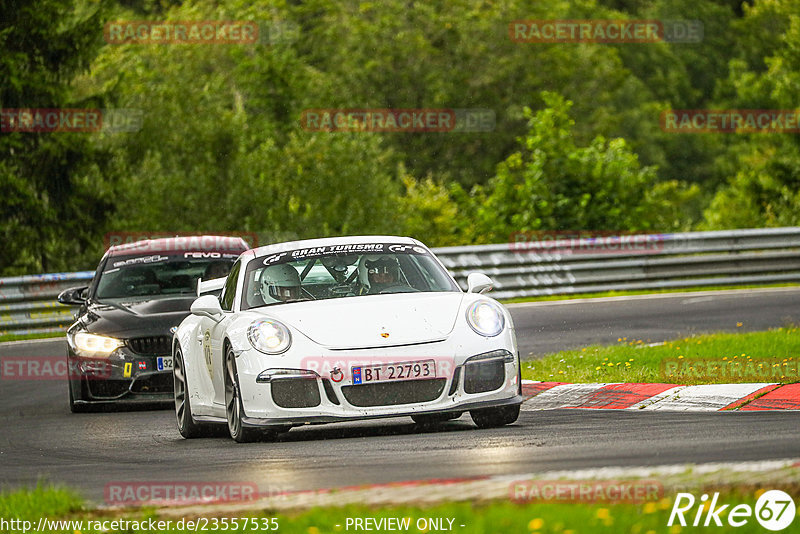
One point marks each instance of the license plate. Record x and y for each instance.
(164, 363)
(390, 372)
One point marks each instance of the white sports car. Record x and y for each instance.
(342, 329)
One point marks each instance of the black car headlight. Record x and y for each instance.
(269, 336)
(89, 345)
(486, 318)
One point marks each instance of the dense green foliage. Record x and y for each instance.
(577, 143)
(530, 510)
(720, 358)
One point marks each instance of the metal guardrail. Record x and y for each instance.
(526, 268)
(631, 262)
(28, 303)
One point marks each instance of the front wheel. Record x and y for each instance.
(76, 407)
(183, 409)
(234, 409)
(494, 417)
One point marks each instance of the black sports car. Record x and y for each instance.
(119, 348)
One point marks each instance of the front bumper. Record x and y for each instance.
(123, 377)
(301, 395)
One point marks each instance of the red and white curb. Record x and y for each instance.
(667, 397)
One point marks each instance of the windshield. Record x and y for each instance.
(159, 274)
(340, 271)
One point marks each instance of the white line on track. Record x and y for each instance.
(503, 486)
(706, 397)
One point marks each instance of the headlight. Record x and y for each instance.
(265, 377)
(486, 318)
(269, 336)
(94, 346)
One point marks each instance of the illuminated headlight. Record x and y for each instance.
(486, 318)
(93, 346)
(269, 336)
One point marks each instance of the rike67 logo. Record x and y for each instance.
(774, 510)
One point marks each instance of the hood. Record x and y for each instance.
(132, 318)
(373, 320)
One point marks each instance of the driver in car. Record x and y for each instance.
(379, 273)
(279, 283)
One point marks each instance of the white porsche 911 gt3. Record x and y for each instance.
(341, 329)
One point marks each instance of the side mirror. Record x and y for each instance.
(207, 306)
(72, 296)
(479, 283)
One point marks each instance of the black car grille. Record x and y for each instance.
(151, 345)
(482, 376)
(391, 393)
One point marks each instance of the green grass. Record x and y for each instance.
(499, 516)
(632, 360)
(600, 294)
(508, 517)
(17, 337)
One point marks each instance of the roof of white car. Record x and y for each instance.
(328, 241)
(207, 243)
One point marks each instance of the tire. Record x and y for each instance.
(494, 417)
(430, 419)
(187, 426)
(234, 410)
